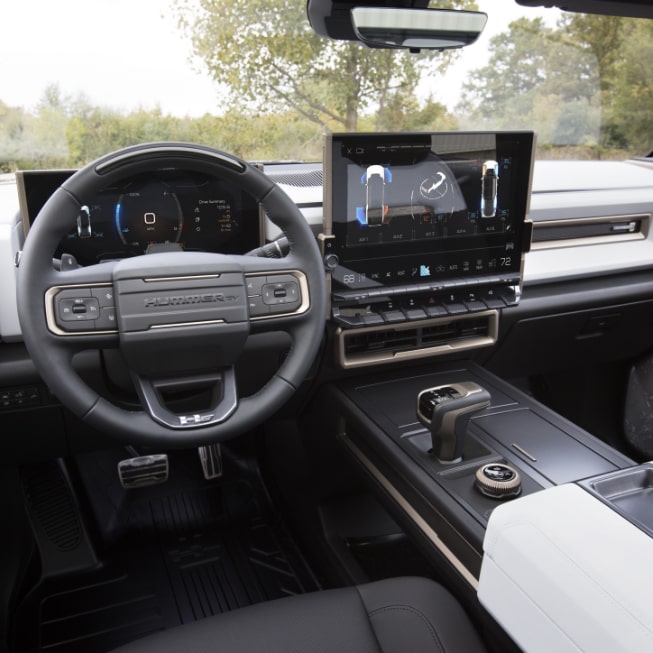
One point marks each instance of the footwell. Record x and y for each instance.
(168, 554)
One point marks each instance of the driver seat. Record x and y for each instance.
(397, 615)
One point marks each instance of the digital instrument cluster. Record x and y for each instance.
(426, 207)
(167, 209)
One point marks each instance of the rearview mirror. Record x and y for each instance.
(416, 29)
(410, 25)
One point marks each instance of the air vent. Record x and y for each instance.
(385, 344)
(550, 234)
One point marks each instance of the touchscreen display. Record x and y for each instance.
(410, 208)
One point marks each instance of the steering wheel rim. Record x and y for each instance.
(38, 283)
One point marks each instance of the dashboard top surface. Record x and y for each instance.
(566, 176)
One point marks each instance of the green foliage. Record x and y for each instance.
(530, 81)
(268, 59)
(585, 82)
(585, 85)
(70, 132)
(632, 104)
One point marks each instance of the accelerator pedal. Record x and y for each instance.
(211, 459)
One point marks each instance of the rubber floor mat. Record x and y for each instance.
(173, 553)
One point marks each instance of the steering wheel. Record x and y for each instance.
(179, 319)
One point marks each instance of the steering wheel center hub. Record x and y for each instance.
(173, 316)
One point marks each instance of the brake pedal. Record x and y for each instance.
(143, 471)
(211, 459)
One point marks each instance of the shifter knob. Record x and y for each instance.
(446, 410)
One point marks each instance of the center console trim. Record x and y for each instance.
(411, 513)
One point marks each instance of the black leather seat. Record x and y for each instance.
(398, 615)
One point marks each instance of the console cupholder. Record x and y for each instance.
(629, 492)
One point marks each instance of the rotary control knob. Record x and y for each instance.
(331, 261)
(498, 481)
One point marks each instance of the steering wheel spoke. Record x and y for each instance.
(156, 396)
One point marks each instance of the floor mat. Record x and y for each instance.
(170, 554)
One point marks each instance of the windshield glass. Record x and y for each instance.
(81, 79)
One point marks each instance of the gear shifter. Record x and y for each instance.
(446, 410)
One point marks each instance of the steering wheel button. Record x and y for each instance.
(76, 309)
(65, 310)
(257, 307)
(106, 321)
(286, 292)
(79, 325)
(104, 296)
(74, 293)
(255, 285)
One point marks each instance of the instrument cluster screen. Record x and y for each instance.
(171, 209)
(406, 208)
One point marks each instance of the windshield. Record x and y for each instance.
(81, 79)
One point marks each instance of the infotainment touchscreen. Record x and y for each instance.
(426, 207)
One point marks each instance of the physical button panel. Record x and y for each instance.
(85, 309)
(412, 307)
(273, 294)
(14, 398)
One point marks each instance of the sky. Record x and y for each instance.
(148, 61)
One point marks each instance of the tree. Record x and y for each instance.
(12, 132)
(35, 139)
(601, 39)
(533, 80)
(633, 89)
(506, 92)
(94, 131)
(267, 58)
(572, 83)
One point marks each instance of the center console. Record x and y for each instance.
(446, 501)
(424, 238)
(424, 241)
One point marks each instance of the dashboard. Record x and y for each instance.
(590, 228)
(581, 297)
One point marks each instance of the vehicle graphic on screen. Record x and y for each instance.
(489, 187)
(374, 179)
